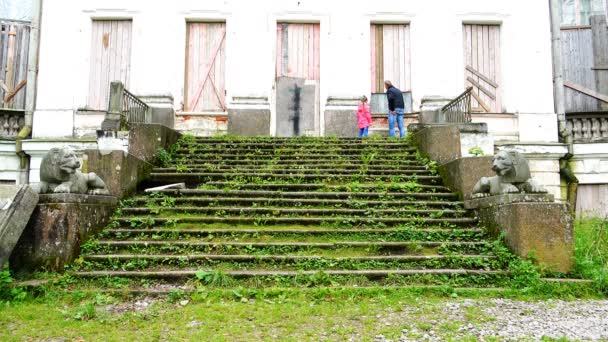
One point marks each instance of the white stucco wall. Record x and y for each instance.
(159, 40)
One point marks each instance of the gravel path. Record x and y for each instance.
(503, 320)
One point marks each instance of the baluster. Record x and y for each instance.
(578, 129)
(595, 128)
(604, 127)
(4, 125)
(586, 129)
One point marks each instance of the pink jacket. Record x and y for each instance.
(364, 116)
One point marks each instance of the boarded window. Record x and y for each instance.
(110, 59)
(482, 66)
(579, 12)
(390, 58)
(592, 200)
(14, 43)
(205, 68)
(298, 51)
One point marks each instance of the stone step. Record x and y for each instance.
(320, 155)
(337, 221)
(303, 166)
(428, 196)
(316, 234)
(201, 201)
(353, 144)
(319, 248)
(249, 257)
(280, 273)
(295, 212)
(196, 149)
(283, 262)
(282, 171)
(202, 177)
(374, 187)
(378, 163)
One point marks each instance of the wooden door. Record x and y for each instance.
(390, 56)
(298, 77)
(110, 59)
(482, 66)
(205, 68)
(14, 44)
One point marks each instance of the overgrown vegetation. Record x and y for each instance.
(591, 251)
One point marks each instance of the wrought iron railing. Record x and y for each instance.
(133, 109)
(588, 127)
(459, 109)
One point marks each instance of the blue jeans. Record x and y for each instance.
(391, 122)
(363, 132)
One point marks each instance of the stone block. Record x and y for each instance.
(16, 206)
(59, 226)
(462, 174)
(121, 171)
(160, 109)
(249, 122)
(341, 122)
(146, 139)
(486, 202)
(297, 106)
(544, 230)
(440, 143)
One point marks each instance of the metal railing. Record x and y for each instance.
(131, 109)
(459, 109)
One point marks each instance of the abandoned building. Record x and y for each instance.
(298, 67)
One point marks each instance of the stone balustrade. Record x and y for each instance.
(588, 127)
(11, 122)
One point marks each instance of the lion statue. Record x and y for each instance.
(59, 174)
(512, 176)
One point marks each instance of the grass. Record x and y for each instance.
(591, 251)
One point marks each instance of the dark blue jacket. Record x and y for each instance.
(395, 98)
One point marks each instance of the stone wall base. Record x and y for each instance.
(462, 174)
(542, 230)
(249, 122)
(60, 224)
(341, 123)
(121, 171)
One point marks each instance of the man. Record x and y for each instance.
(396, 108)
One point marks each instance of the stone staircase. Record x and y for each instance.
(262, 212)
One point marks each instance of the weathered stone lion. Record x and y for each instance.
(512, 176)
(59, 174)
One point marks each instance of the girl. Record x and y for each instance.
(364, 117)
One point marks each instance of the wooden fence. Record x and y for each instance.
(14, 44)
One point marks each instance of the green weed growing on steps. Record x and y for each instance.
(9, 293)
(591, 251)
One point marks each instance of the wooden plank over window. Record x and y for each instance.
(298, 53)
(390, 56)
(482, 66)
(14, 45)
(205, 68)
(110, 59)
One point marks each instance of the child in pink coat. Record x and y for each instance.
(364, 117)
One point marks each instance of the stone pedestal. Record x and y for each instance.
(160, 109)
(430, 109)
(341, 117)
(249, 116)
(462, 174)
(440, 143)
(60, 224)
(16, 205)
(532, 225)
(121, 171)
